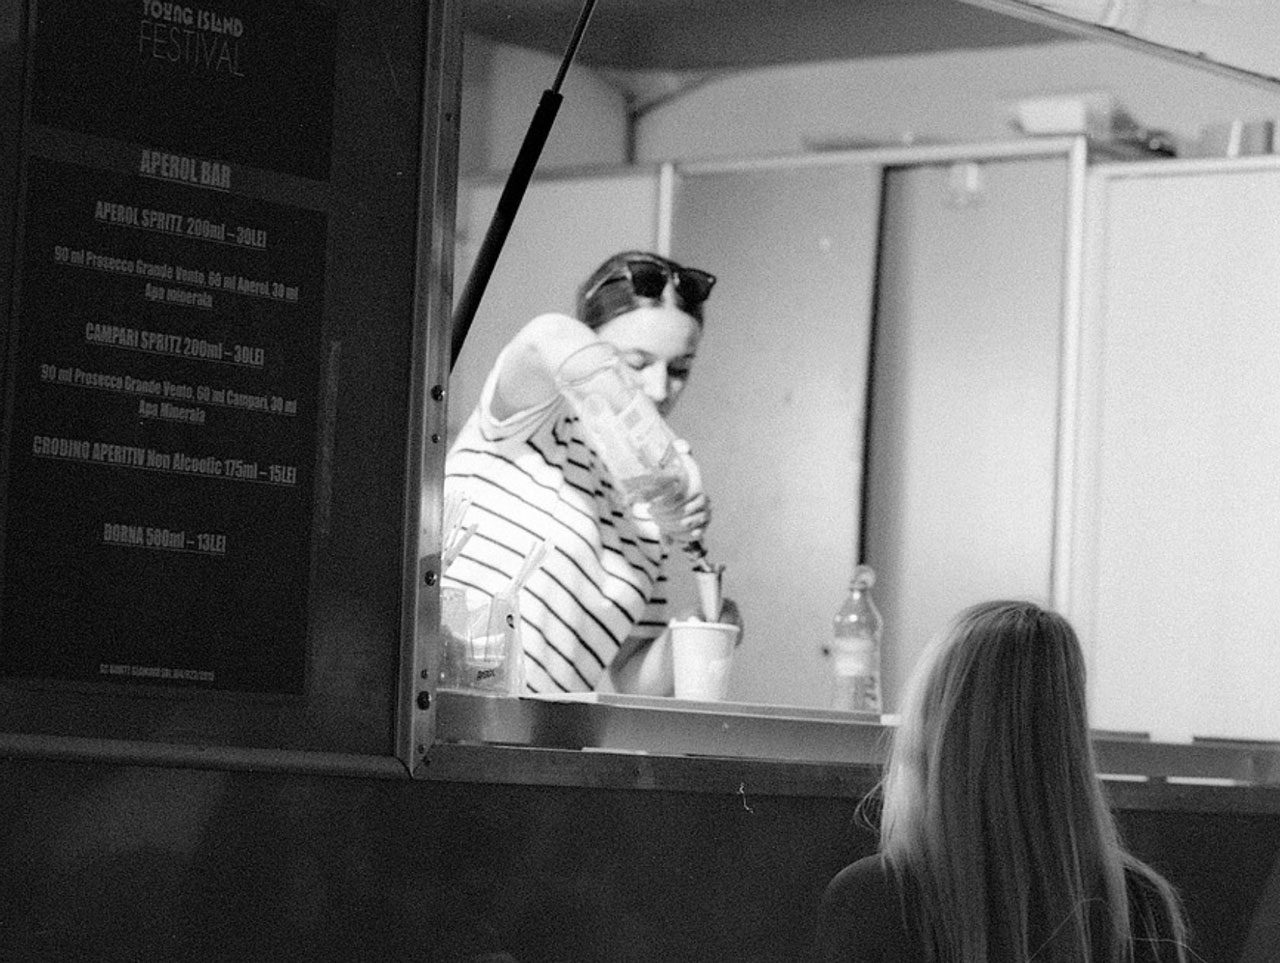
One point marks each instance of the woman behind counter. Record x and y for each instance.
(996, 843)
(594, 615)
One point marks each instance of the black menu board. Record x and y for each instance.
(165, 349)
(165, 386)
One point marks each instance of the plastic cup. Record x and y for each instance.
(478, 642)
(701, 657)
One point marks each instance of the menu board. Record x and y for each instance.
(165, 352)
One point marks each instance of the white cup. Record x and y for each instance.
(701, 656)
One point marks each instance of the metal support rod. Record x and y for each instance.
(512, 194)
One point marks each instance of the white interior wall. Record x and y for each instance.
(501, 87)
(947, 97)
(960, 96)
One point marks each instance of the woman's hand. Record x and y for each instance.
(695, 516)
(687, 520)
(640, 667)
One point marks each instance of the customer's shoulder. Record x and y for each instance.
(860, 881)
(861, 917)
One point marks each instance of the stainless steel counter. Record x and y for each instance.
(625, 741)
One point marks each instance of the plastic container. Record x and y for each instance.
(482, 647)
(855, 648)
(642, 453)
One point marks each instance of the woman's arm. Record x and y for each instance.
(527, 376)
(641, 667)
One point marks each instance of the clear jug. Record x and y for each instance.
(640, 450)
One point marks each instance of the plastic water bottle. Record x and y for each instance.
(855, 648)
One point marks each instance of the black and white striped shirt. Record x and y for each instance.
(534, 477)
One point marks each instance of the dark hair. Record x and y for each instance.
(600, 301)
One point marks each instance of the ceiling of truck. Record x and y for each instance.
(713, 35)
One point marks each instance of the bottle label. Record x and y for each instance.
(855, 657)
(857, 693)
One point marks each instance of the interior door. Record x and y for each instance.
(776, 407)
(962, 468)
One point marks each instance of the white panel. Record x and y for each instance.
(564, 228)
(775, 409)
(1181, 486)
(962, 472)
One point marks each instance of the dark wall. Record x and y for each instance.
(136, 863)
(151, 864)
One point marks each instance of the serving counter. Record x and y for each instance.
(787, 748)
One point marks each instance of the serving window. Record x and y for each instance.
(843, 355)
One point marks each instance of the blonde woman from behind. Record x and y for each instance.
(996, 841)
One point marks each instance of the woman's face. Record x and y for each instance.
(658, 344)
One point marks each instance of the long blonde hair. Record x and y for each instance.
(994, 820)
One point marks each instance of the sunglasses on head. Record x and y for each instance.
(649, 278)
